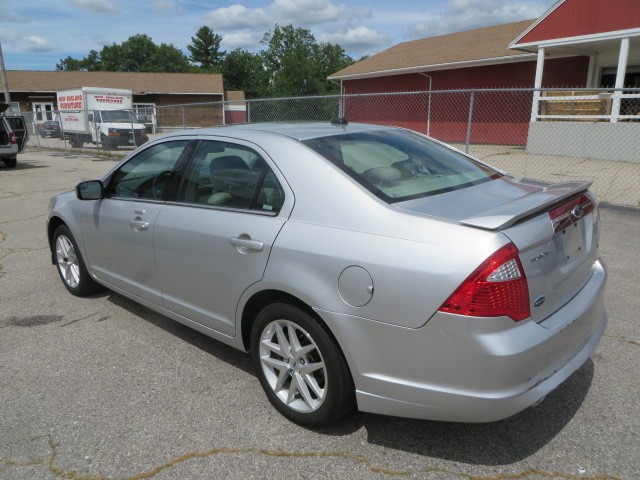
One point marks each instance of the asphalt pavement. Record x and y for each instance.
(102, 388)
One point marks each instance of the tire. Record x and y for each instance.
(306, 380)
(107, 143)
(10, 162)
(75, 141)
(43, 135)
(70, 264)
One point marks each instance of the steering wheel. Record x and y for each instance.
(159, 183)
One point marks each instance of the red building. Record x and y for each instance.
(576, 43)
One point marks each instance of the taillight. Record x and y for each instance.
(496, 288)
(12, 138)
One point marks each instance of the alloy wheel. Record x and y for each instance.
(293, 366)
(67, 261)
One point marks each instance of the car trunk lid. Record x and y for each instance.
(554, 227)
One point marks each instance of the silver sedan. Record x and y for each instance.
(360, 265)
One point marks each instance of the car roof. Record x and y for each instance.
(298, 131)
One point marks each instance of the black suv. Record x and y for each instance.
(13, 136)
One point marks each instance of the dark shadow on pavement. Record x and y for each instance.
(21, 166)
(227, 354)
(498, 443)
(219, 350)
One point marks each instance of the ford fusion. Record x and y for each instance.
(361, 266)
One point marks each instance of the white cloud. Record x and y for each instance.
(100, 6)
(308, 12)
(164, 5)
(460, 15)
(242, 40)
(359, 38)
(356, 16)
(237, 17)
(34, 43)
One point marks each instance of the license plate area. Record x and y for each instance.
(570, 241)
(568, 222)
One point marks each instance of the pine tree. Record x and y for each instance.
(205, 49)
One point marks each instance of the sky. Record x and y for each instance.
(36, 34)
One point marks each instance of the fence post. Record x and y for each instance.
(64, 139)
(429, 116)
(133, 131)
(471, 100)
(184, 118)
(248, 112)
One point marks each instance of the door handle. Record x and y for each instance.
(247, 243)
(139, 225)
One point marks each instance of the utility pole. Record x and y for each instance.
(3, 78)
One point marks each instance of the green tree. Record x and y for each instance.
(243, 70)
(136, 54)
(298, 65)
(205, 49)
(329, 59)
(288, 60)
(88, 64)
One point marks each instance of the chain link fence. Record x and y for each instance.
(556, 135)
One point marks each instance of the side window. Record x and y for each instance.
(270, 195)
(228, 175)
(147, 174)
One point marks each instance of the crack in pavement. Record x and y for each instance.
(24, 194)
(620, 338)
(50, 464)
(12, 251)
(23, 219)
(79, 319)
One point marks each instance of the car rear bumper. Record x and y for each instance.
(470, 369)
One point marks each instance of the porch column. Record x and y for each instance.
(622, 69)
(537, 84)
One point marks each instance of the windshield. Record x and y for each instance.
(398, 165)
(118, 116)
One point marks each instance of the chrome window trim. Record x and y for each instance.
(221, 208)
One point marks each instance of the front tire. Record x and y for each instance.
(71, 267)
(108, 143)
(300, 367)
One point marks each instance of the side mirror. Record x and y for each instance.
(90, 190)
(90, 117)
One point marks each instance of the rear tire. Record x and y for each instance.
(300, 367)
(10, 162)
(70, 264)
(75, 141)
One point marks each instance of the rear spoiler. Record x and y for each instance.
(510, 213)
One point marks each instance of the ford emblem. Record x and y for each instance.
(577, 211)
(539, 301)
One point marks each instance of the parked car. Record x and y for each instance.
(13, 136)
(360, 265)
(50, 128)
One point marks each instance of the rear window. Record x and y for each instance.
(398, 165)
